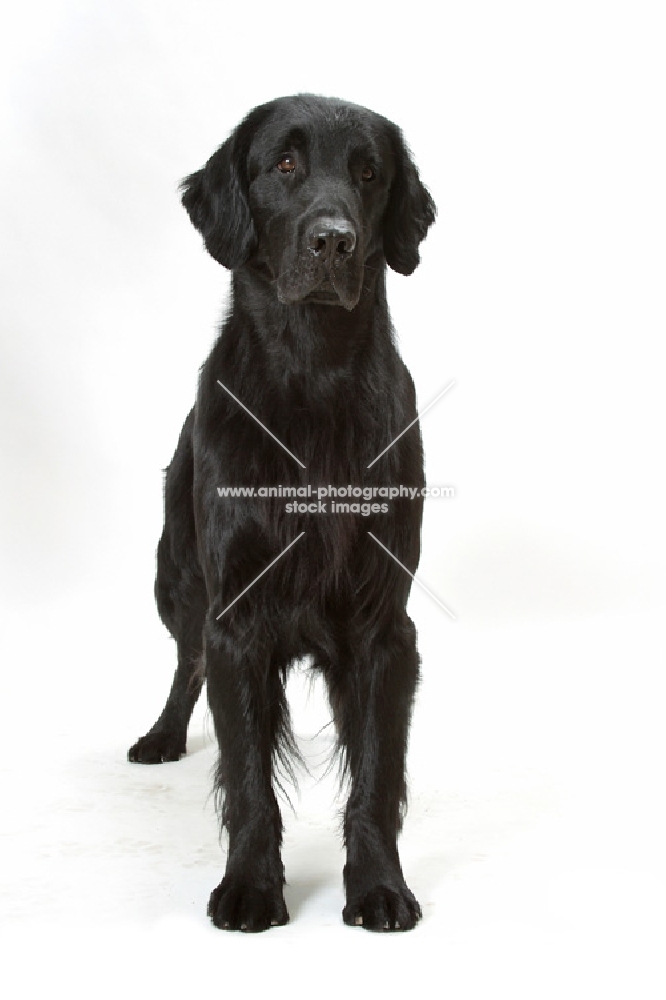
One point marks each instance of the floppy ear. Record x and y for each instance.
(409, 213)
(216, 199)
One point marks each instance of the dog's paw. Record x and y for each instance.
(156, 748)
(383, 909)
(238, 906)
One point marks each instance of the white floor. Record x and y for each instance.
(534, 839)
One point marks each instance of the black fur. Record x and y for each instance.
(308, 348)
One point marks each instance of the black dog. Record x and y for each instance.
(306, 203)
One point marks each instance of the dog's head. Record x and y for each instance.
(308, 189)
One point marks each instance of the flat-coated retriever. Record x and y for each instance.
(306, 203)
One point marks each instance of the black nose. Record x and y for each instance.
(331, 239)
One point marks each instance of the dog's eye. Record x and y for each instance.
(287, 165)
(368, 174)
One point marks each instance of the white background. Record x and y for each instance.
(536, 824)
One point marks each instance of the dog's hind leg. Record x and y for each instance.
(167, 739)
(182, 602)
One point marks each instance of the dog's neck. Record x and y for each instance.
(309, 338)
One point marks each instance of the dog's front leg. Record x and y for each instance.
(246, 697)
(372, 706)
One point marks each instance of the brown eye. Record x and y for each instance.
(287, 165)
(368, 174)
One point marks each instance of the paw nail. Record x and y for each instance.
(273, 923)
(358, 921)
(243, 927)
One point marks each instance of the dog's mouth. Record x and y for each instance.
(324, 294)
(308, 283)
